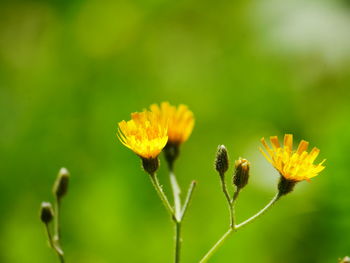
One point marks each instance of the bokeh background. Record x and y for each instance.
(70, 70)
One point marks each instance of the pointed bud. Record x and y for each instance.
(150, 165)
(60, 187)
(285, 186)
(241, 175)
(46, 212)
(221, 160)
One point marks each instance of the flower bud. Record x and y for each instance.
(241, 176)
(46, 212)
(285, 186)
(221, 160)
(150, 165)
(61, 185)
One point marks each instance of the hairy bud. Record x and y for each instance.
(221, 160)
(241, 176)
(46, 212)
(60, 187)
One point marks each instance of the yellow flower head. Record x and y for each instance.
(292, 165)
(145, 134)
(180, 121)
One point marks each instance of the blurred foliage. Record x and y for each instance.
(70, 70)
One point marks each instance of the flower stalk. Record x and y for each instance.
(178, 212)
(175, 212)
(260, 213)
(234, 228)
(161, 194)
(228, 199)
(48, 214)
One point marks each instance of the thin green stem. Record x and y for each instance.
(178, 241)
(176, 193)
(179, 211)
(260, 213)
(233, 204)
(57, 236)
(188, 199)
(228, 199)
(177, 215)
(54, 245)
(162, 195)
(216, 246)
(224, 188)
(49, 236)
(236, 227)
(61, 258)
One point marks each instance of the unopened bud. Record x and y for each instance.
(221, 160)
(241, 175)
(285, 186)
(150, 165)
(60, 187)
(46, 212)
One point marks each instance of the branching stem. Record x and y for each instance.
(54, 245)
(260, 213)
(177, 212)
(216, 246)
(161, 194)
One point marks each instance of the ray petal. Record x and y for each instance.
(302, 146)
(275, 143)
(288, 141)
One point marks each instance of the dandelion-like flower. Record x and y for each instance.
(145, 134)
(180, 125)
(180, 121)
(293, 165)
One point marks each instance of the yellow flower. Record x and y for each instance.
(292, 165)
(145, 134)
(180, 121)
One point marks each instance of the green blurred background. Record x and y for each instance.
(70, 70)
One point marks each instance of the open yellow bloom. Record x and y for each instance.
(180, 121)
(292, 165)
(145, 134)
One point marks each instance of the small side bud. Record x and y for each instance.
(285, 186)
(221, 160)
(171, 152)
(46, 212)
(241, 176)
(60, 187)
(150, 165)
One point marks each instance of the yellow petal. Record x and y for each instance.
(275, 142)
(288, 141)
(302, 146)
